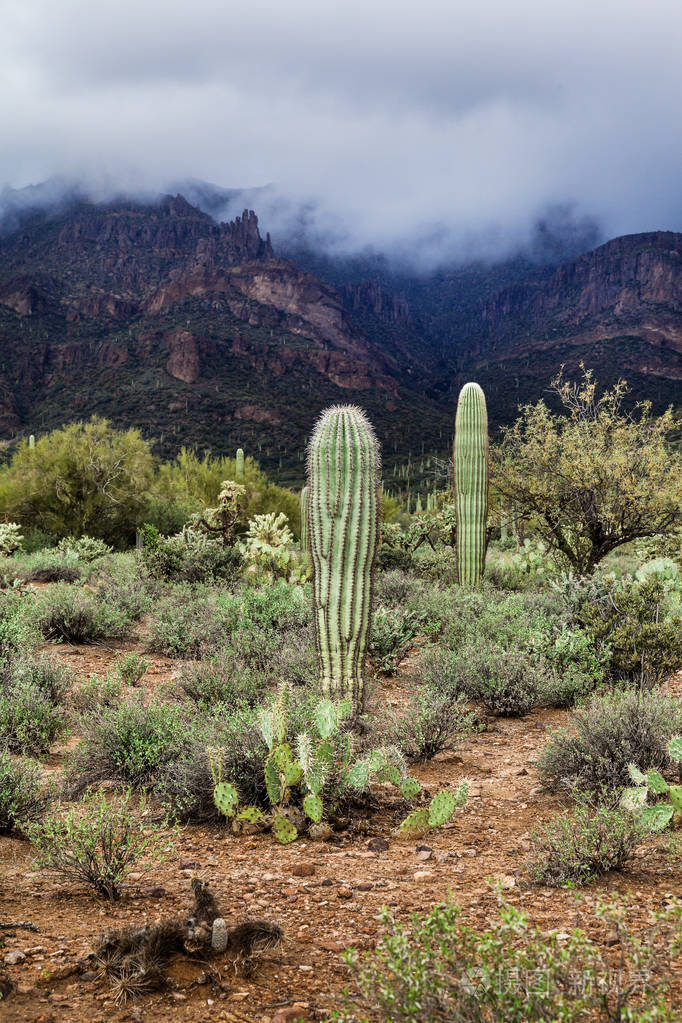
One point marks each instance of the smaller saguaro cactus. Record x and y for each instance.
(239, 467)
(470, 460)
(343, 530)
(304, 519)
(31, 442)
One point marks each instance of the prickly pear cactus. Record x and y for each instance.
(226, 798)
(442, 807)
(343, 529)
(470, 460)
(283, 830)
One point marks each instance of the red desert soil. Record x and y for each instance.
(326, 896)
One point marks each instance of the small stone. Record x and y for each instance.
(290, 1013)
(377, 845)
(303, 869)
(188, 865)
(202, 979)
(424, 855)
(320, 832)
(522, 772)
(344, 893)
(504, 881)
(423, 875)
(331, 946)
(179, 996)
(14, 958)
(365, 886)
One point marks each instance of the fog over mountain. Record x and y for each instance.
(435, 132)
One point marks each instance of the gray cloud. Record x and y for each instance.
(445, 128)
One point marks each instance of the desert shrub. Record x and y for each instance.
(98, 841)
(594, 838)
(391, 633)
(189, 556)
(435, 721)
(575, 667)
(130, 742)
(96, 691)
(438, 968)
(31, 692)
(641, 622)
(294, 660)
(390, 559)
(190, 622)
(187, 622)
(224, 679)
(21, 798)
(131, 667)
(50, 566)
(185, 785)
(505, 681)
(606, 735)
(121, 585)
(397, 587)
(77, 615)
(18, 632)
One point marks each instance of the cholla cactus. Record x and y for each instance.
(265, 547)
(10, 538)
(225, 517)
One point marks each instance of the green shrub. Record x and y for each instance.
(576, 847)
(396, 587)
(96, 691)
(438, 968)
(575, 668)
(190, 556)
(98, 842)
(224, 679)
(608, 734)
(189, 622)
(18, 633)
(131, 667)
(52, 680)
(435, 721)
(77, 615)
(505, 681)
(185, 785)
(641, 622)
(391, 633)
(21, 798)
(130, 743)
(50, 566)
(30, 721)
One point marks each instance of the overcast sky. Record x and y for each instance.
(462, 120)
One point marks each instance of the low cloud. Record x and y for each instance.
(441, 132)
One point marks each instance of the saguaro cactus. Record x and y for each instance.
(470, 459)
(239, 467)
(304, 519)
(343, 530)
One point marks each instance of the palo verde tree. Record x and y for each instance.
(596, 476)
(82, 478)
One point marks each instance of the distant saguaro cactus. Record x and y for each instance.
(31, 442)
(239, 466)
(304, 519)
(343, 530)
(470, 459)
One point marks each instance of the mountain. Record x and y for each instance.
(155, 314)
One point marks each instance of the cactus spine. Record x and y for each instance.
(239, 466)
(470, 458)
(343, 530)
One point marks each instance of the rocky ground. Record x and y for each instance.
(325, 896)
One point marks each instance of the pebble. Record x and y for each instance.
(303, 870)
(423, 875)
(289, 1014)
(13, 958)
(344, 893)
(377, 845)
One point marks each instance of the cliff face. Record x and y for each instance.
(157, 316)
(112, 308)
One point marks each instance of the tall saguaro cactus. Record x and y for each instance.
(343, 536)
(470, 459)
(239, 466)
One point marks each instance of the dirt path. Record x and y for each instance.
(325, 896)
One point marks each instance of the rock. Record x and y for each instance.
(290, 1013)
(320, 832)
(504, 881)
(424, 855)
(364, 886)
(304, 869)
(14, 958)
(189, 865)
(344, 893)
(330, 946)
(423, 875)
(377, 845)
